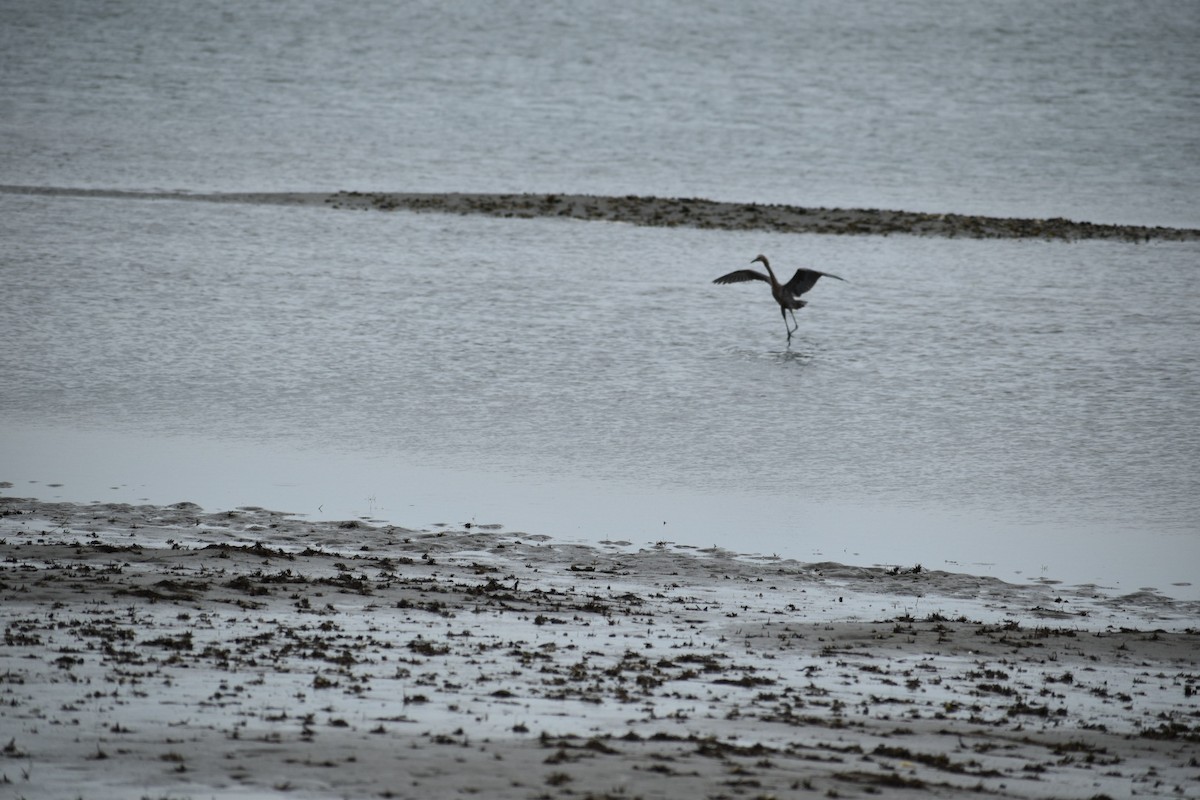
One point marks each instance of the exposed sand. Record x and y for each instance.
(170, 652)
(674, 212)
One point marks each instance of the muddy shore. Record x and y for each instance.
(170, 651)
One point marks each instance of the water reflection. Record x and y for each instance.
(790, 356)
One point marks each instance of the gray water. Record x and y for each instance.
(1080, 109)
(939, 402)
(1024, 408)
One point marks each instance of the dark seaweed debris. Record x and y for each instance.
(673, 212)
(711, 214)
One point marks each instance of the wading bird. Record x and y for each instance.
(786, 294)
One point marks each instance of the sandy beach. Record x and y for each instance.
(176, 652)
(376, 420)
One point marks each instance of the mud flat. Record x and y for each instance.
(173, 652)
(673, 212)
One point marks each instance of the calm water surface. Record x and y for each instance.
(1079, 108)
(1024, 408)
(951, 390)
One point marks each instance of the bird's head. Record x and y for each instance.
(760, 258)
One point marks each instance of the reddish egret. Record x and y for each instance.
(786, 294)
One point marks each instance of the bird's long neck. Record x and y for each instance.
(771, 272)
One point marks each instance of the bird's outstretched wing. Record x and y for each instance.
(742, 275)
(805, 279)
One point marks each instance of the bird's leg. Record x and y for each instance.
(795, 326)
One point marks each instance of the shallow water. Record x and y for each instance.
(950, 398)
(1024, 408)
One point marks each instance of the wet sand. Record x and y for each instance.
(169, 651)
(674, 212)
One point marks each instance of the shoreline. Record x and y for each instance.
(167, 650)
(670, 212)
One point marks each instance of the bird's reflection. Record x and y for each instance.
(790, 356)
